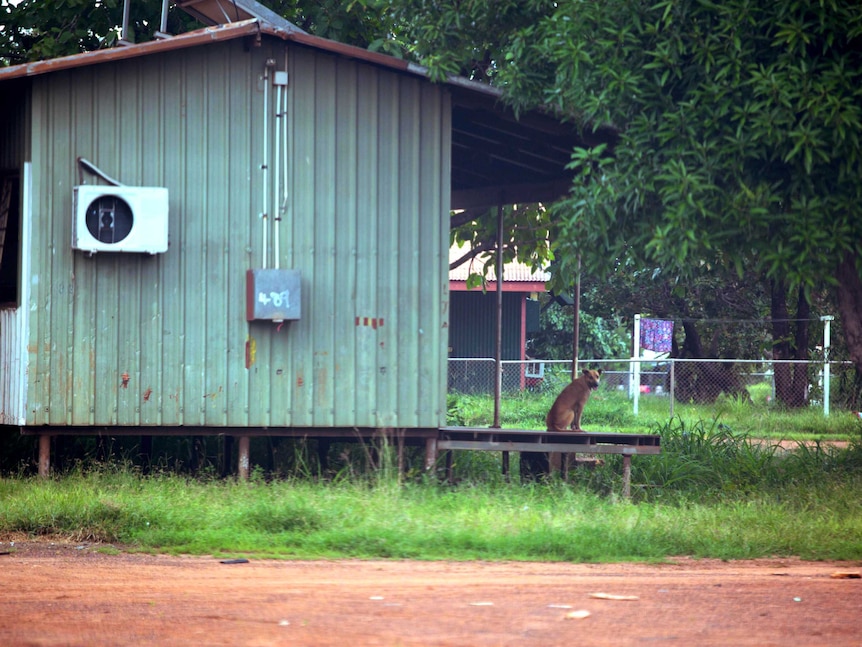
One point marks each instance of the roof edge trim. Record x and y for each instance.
(250, 27)
(181, 41)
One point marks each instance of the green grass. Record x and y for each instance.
(709, 494)
(716, 490)
(613, 411)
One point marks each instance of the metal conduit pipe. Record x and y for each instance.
(277, 173)
(284, 180)
(265, 164)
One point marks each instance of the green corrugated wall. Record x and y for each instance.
(127, 339)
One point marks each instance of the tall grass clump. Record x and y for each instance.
(712, 460)
(704, 514)
(374, 518)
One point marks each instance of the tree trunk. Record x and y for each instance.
(791, 380)
(691, 345)
(850, 307)
(800, 371)
(780, 340)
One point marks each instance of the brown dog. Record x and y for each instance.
(566, 411)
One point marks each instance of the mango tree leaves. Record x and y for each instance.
(739, 125)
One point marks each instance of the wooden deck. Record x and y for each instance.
(534, 440)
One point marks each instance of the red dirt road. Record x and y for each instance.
(56, 594)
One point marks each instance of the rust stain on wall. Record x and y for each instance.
(374, 322)
(250, 351)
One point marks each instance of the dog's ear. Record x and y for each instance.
(586, 371)
(600, 371)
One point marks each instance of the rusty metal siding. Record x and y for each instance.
(126, 339)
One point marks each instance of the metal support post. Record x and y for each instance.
(430, 453)
(44, 456)
(244, 446)
(627, 476)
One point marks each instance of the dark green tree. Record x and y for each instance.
(40, 29)
(739, 129)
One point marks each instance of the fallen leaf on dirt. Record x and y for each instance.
(578, 615)
(611, 596)
(846, 576)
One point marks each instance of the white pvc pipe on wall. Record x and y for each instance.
(277, 173)
(264, 167)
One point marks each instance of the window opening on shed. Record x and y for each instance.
(10, 227)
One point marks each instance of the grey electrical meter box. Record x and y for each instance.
(272, 295)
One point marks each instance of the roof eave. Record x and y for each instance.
(182, 41)
(251, 27)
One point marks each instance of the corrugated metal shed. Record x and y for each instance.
(373, 157)
(128, 340)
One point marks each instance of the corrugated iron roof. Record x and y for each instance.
(512, 272)
(244, 28)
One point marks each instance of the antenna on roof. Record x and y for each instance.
(163, 26)
(125, 28)
(162, 32)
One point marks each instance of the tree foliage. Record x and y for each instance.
(40, 29)
(598, 338)
(739, 130)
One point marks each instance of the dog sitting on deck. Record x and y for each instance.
(565, 414)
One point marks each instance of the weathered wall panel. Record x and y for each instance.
(124, 339)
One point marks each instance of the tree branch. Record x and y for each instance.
(473, 253)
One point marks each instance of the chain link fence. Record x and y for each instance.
(825, 385)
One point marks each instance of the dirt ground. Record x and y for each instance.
(67, 594)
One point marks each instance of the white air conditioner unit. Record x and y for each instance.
(120, 219)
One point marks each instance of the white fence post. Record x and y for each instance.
(827, 332)
(672, 394)
(635, 380)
